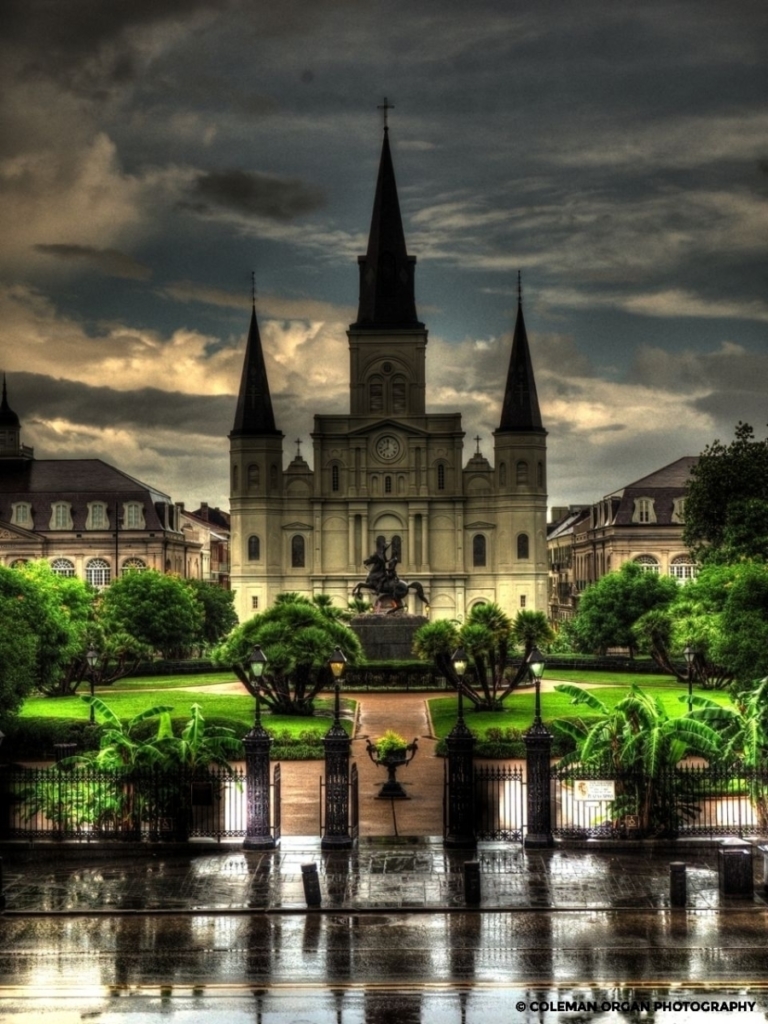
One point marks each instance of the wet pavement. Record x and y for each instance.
(416, 875)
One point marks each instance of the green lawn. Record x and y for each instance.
(237, 709)
(603, 676)
(519, 707)
(163, 682)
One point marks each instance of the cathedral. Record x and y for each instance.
(388, 475)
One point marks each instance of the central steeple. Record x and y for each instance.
(387, 296)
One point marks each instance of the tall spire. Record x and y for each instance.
(254, 414)
(8, 417)
(387, 296)
(521, 404)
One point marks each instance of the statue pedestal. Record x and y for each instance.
(387, 637)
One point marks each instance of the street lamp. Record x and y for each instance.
(337, 663)
(690, 654)
(459, 662)
(256, 667)
(337, 746)
(536, 664)
(92, 657)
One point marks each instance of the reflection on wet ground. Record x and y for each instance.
(406, 1005)
(426, 877)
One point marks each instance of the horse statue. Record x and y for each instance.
(383, 581)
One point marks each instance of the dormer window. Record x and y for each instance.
(133, 516)
(97, 518)
(678, 510)
(644, 511)
(21, 514)
(61, 516)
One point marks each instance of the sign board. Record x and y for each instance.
(595, 789)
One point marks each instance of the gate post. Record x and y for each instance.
(258, 835)
(538, 751)
(459, 826)
(337, 835)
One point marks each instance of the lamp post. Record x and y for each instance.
(336, 834)
(690, 655)
(92, 657)
(257, 742)
(459, 803)
(538, 750)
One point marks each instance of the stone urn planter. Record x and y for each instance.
(392, 752)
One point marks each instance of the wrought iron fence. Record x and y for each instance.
(140, 804)
(681, 800)
(499, 803)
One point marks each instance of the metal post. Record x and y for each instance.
(257, 742)
(337, 745)
(311, 883)
(460, 805)
(472, 881)
(538, 751)
(677, 884)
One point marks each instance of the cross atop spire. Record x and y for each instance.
(477, 439)
(297, 442)
(386, 106)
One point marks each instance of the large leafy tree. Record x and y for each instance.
(159, 612)
(722, 616)
(298, 638)
(609, 608)
(46, 621)
(726, 505)
(488, 637)
(218, 606)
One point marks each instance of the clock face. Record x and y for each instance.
(387, 447)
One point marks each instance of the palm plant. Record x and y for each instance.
(639, 743)
(489, 637)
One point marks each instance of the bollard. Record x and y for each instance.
(734, 868)
(471, 881)
(311, 882)
(677, 884)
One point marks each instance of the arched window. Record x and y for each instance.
(98, 573)
(253, 477)
(335, 477)
(376, 394)
(381, 543)
(19, 563)
(502, 474)
(398, 394)
(523, 547)
(298, 552)
(133, 565)
(647, 563)
(441, 476)
(387, 484)
(254, 548)
(63, 567)
(235, 478)
(478, 550)
(683, 568)
(540, 474)
(21, 514)
(396, 550)
(273, 478)
(522, 472)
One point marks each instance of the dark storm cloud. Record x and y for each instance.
(42, 397)
(108, 261)
(253, 195)
(53, 38)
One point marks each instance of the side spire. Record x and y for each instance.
(387, 297)
(254, 413)
(520, 410)
(8, 417)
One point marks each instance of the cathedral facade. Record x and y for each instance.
(387, 474)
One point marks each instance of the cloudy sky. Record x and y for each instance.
(155, 152)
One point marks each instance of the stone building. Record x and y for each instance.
(386, 471)
(641, 522)
(87, 518)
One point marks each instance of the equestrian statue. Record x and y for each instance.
(383, 581)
